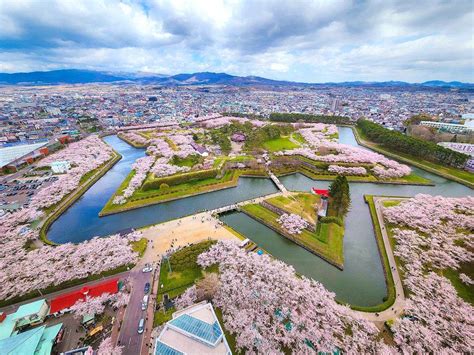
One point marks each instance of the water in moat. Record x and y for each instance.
(362, 280)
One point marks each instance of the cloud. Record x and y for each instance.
(303, 40)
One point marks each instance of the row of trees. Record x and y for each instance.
(295, 117)
(409, 145)
(340, 196)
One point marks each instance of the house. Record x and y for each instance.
(193, 330)
(62, 303)
(26, 315)
(38, 341)
(199, 149)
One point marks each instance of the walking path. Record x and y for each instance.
(397, 308)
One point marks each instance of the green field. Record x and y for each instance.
(303, 204)
(278, 144)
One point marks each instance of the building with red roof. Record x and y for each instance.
(320, 192)
(67, 300)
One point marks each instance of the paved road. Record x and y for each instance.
(129, 336)
(397, 308)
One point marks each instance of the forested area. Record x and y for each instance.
(295, 117)
(399, 142)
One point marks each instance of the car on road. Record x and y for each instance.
(147, 268)
(147, 287)
(144, 302)
(141, 326)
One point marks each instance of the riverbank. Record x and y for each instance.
(70, 199)
(460, 176)
(194, 188)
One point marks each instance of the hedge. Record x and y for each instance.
(332, 219)
(180, 179)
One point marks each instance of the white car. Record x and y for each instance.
(147, 268)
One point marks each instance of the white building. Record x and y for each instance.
(60, 167)
(450, 127)
(193, 330)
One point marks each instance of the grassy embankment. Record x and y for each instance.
(326, 242)
(144, 198)
(462, 176)
(319, 172)
(53, 212)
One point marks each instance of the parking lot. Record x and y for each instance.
(18, 191)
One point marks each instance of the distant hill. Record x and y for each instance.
(67, 76)
(79, 76)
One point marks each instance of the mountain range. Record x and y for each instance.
(79, 76)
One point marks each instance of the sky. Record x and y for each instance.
(297, 40)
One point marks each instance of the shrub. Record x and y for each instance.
(336, 220)
(179, 179)
(164, 186)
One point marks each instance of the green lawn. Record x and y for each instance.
(298, 137)
(139, 246)
(303, 204)
(282, 143)
(189, 161)
(466, 292)
(328, 243)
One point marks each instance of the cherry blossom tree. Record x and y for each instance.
(433, 233)
(292, 223)
(107, 348)
(269, 308)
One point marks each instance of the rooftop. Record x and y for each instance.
(194, 330)
(10, 154)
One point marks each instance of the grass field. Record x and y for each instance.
(139, 246)
(327, 243)
(282, 143)
(303, 204)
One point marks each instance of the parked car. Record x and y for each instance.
(145, 303)
(147, 268)
(147, 287)
(141, 326)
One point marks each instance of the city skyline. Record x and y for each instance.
(302, 41)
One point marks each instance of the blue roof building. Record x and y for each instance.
(193, 330)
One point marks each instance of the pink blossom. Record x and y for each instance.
(292, 223)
